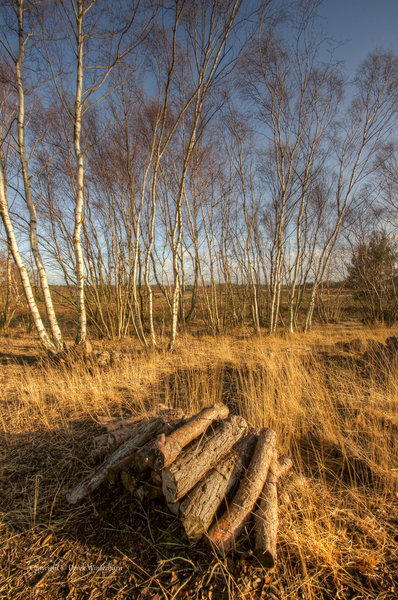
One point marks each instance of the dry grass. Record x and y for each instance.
(335, 413)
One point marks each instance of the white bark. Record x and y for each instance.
(79, 203)
(27, 286)
(55, 330)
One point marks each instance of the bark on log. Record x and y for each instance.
(163, 451)
(100, 441)
(223, 534)
(266, 517)
(116, 461)
(112, 424)
(108, 442)
(145, 457)
(100, 446)
(189, 468)
(198, 509)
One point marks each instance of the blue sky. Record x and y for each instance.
(362, 25)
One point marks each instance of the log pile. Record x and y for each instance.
(213, 471)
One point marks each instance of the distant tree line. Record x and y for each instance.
(209, 151)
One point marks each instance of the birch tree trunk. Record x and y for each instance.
(208, 59)
(7, 313)
(45, 339)
(79, 202)
(372, 115)
(55, 330)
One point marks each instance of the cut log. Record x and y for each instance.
(266, 517)
(116, 461)
(198, 509)
(100, 441)
(223, 534)
(119, 436)
(108, 442)
(114, 423)
(145, 457)
(128, 481)
(100, 446)
(189, 468)
(163, 451)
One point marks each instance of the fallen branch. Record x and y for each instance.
(266, 517)
(189, 468)
(198, 509)
(121, 430)
(223, 534)
(119, 459)
(108, 442)
(162, 452)
(114, 423)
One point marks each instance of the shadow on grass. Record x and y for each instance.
(110, 545)
(114, 545)
(7, 358)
